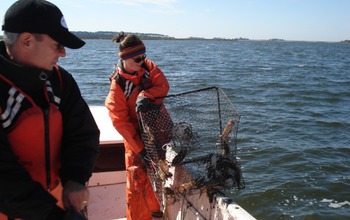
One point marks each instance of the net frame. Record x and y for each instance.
(200, 126)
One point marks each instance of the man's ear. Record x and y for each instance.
(26, 39)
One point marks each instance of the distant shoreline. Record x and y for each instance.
(109, 35)
(144, 36)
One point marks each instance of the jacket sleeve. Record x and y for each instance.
(120, 115)
(80, 134)
(160, 85)
(16, 184)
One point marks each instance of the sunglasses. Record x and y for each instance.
(59, 47)
(139, 59)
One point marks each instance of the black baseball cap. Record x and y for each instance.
(42, 17)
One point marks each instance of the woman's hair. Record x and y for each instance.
(126, 40)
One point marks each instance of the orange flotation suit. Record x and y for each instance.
(140, 197)
(40, 132)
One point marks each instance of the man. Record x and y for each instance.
(48, 137)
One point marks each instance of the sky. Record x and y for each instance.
(300, 20)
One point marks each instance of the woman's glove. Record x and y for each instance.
(145, 158)
(142, 104)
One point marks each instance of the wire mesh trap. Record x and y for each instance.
(201, 126)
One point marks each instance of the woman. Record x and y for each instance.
(135, 83)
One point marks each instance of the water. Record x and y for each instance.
(294, 98)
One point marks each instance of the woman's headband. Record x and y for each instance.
(132, 51)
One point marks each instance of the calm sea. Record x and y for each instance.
(294, 99)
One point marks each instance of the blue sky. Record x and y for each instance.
(310, 20)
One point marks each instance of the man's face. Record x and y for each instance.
(44, 52)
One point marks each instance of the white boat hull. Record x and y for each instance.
(107, 185)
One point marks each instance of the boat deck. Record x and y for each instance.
(108, 183)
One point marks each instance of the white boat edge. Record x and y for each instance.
(107, 188)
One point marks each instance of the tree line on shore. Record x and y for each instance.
(143, 36)
(109, 35)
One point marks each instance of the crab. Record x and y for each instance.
(194, 184)
(163, 170)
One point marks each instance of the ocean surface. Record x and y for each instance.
(294, 102)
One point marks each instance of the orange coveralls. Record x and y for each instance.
(140, 197)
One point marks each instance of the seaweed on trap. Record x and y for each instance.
(201, 126)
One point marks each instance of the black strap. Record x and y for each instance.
(145, 82)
